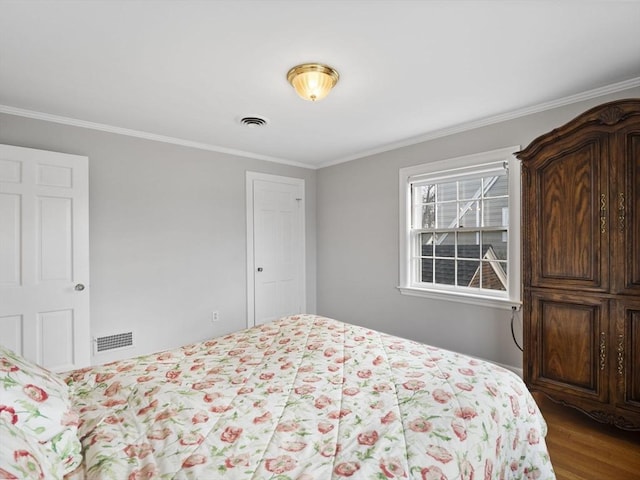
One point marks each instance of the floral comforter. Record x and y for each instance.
(308, 398)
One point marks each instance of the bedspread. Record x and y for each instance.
(308, 398)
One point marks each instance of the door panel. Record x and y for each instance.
(56, 330)
(44, 253)
(11, 252)
(567, 344)
(627, 353)
(54, 237)
(571, 200)
(11, 327)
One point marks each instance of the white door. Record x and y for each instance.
(44, 256)
(275, 240)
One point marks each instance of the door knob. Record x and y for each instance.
(260, 269)
(79, 287)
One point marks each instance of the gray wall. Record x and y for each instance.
(168, 246)
(358, 215)
(167, 233)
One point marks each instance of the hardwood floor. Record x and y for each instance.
(583, 449)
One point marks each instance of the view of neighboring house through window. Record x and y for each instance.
(461, 231)
(457, 236)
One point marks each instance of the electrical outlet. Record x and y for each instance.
(215, 316)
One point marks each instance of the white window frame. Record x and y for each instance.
(461, 165)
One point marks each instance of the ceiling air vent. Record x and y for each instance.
(253, 122)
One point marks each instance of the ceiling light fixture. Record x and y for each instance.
(313, 81)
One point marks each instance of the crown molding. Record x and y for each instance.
(47, 117)
(463, 127)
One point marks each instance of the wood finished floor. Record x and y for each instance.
(583, 449)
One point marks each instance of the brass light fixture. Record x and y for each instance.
(313, 81)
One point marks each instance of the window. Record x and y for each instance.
(459, 232)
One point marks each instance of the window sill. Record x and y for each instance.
(502, 303)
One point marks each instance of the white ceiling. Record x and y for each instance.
(186, 71)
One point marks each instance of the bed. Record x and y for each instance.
(302, 398)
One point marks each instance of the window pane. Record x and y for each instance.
(428, 216)
(445, 244)
(496, 186)
(469, 245)
(446, 215)
(446, 191)
(426, 193)
(426, 242)
(470, 189)
(493, 245)
(426, 271)
(492, 210)
(445, 272)
(469, 214)
(468, 275)
(494, 275)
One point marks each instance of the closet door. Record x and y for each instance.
(44, 256)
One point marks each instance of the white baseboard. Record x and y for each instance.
(516, 370)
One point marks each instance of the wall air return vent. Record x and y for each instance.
(118, 341)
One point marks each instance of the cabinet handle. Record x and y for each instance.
(621, 210)
(603, 216)
(603, 351)
(620, 355)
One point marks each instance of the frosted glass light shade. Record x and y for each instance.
(312, 81)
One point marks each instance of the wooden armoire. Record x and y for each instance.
(581, 263)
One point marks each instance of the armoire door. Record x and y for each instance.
(625, 203)
(568, 345)
(566, 216)
(626, 357)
